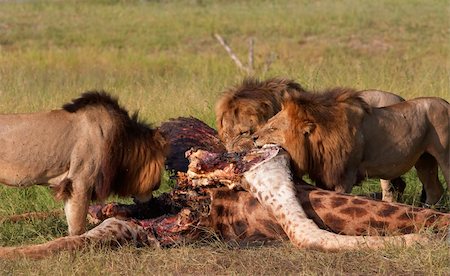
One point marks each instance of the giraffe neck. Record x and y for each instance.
(271, 183)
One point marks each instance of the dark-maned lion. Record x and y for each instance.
(338, 139)
(89, 149)
(243, 109)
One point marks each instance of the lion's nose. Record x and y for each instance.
(255, 137)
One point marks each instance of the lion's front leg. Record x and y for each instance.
(76, 209)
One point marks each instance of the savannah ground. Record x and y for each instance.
(160, 57)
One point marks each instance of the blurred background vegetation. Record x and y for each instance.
(160, 57)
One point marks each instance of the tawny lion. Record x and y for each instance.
(244, 109)
(338, 139)
(89, 149)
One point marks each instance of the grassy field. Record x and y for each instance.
(161, 57)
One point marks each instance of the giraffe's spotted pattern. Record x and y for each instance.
(271, 183)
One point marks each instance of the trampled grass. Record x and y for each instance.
(160, 57)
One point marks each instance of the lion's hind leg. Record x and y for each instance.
(427, 171)
(110, 232)
(439, 137)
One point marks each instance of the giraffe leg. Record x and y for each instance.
(111, 232)
(271, 183)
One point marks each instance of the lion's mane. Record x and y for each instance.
(325, 152)
(133, 151)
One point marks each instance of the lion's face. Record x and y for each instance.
(287, 130)
(238, 126)
(274, 131)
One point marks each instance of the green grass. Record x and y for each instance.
(160, 57)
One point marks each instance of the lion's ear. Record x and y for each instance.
(308, 128)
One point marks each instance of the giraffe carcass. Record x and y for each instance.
(271, 207)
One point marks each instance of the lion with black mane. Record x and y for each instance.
(88, 150)
(243, 109)
(338, 139)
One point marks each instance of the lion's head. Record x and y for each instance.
(320, 132)
(142, 162)
(242, 110)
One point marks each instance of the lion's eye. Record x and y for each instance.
(247, 132)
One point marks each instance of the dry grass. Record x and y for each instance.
(218, 258)
(160, 57)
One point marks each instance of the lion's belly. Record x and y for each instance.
(386, 170)
(34, 148)
(387, 155)
(27, 165)
(24, 176)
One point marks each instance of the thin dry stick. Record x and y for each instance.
(269, 60)
(251, 45)
(32, 215)
(231, 54)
